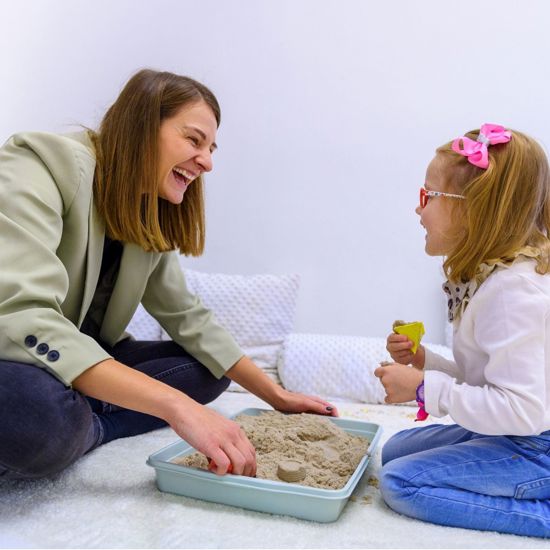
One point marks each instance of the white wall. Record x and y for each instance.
(330, 112)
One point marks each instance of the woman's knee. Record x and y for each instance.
(192, 378)
(212, 390)
(44, 428)
(46, 445)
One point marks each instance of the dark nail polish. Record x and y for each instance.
(329, 409)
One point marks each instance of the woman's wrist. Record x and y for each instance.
(247, 374)
(276, 396)
(129, 388)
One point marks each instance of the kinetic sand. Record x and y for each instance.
(301, 448)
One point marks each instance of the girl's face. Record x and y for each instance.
(436, 216)
(186, 143)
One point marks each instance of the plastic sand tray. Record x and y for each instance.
(274, 497)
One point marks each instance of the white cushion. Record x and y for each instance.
(258, 311)
(143, 326)
(336, 367)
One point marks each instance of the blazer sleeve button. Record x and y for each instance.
(53, 355)
(30, 341)
(42, 349)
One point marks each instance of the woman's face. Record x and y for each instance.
(186, 143)
(436, 216)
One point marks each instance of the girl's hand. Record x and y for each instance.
(287, 401)
(399, 347)
(399, 381)
(220, 439)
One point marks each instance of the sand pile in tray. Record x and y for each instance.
(328, 454)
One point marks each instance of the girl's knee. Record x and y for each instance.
(394, 488)
(393, 448)
(414, 440)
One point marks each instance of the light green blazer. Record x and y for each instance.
(50, 256)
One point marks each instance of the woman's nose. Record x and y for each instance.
(204, 160)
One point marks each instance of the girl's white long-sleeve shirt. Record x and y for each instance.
(499, 382)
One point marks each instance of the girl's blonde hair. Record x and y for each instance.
(126, 180)
(506, 206)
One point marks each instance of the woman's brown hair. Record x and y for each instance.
(507, 205)
(126, 180)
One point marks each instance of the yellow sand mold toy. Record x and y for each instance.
(414, 331)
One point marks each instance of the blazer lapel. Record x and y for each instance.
(94, 254)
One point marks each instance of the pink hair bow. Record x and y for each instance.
(477, 152)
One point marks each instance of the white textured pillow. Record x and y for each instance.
(257, 310)
(340, 367)
(143, 326)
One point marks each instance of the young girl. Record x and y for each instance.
(486, 209)
(90, 223)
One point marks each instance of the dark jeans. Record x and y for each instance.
(45, 426)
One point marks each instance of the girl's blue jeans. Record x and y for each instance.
(450, 476)
(45, 426)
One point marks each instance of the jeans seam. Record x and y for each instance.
(534, 484)
(174, 370)
(468, 462)
(483, 506)
(101, 434)
(11, 470)
(439, 467)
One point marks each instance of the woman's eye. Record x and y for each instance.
(193, 140)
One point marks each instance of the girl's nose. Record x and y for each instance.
(418, 210)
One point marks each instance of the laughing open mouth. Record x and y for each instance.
(183, 176)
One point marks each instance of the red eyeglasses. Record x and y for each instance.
(426, 195)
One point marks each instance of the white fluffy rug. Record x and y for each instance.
(109, 500)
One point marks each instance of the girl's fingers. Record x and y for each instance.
(399, 346)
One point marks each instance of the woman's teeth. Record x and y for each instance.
(187, 176)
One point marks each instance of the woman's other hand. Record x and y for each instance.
(246, 373)
(399, 347)
(287, 401)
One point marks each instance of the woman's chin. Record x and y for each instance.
(174, 197)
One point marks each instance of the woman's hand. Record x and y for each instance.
(218, 438)
(246, 373)
(399, 381)
(215, 436)
(287, 401)
(399, 347)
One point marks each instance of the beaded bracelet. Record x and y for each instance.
(421, 414)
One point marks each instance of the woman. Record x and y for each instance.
(90, 223)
